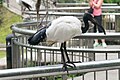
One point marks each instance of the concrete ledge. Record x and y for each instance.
(3, 63)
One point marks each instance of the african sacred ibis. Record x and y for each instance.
(60, 30)
(29, 4)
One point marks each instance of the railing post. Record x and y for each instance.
(7, 1)
(117, 20)
(90, 45)
(64, 77)
(119, 69)
(15, 55)
(9, 50)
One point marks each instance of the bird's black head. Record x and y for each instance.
(39, 36)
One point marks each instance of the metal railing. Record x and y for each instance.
(79, 49)
(110, 15)
(82, 4)
(95, 61)
(54, 70)
(20, 49)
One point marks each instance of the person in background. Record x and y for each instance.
(97, 14)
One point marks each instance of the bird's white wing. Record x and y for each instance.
(63, 29)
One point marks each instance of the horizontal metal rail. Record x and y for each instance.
(53, 11)
(17, 28)
(85, 4)
(90, 50)
(82, 36)
(79, 8)
(52, 70)
(65, 13)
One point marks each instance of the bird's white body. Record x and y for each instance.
(63, 29)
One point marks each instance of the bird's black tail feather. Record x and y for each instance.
(88, 16)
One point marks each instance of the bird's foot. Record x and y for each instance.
(72, 62)
(68, 64)
(65, 67)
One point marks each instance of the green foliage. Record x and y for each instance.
(2, 54)
(111, 1)
(7, 19)
(1, 1)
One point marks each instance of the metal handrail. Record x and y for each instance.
(17, 28)
(65, 13)
(82, 36)
(78, 8)
(85, 4)
(52, 70)
(90, 50)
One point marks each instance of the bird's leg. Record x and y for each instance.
(63, 57)
(64, 45)
(68, 59)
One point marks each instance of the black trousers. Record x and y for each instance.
(99, 20)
